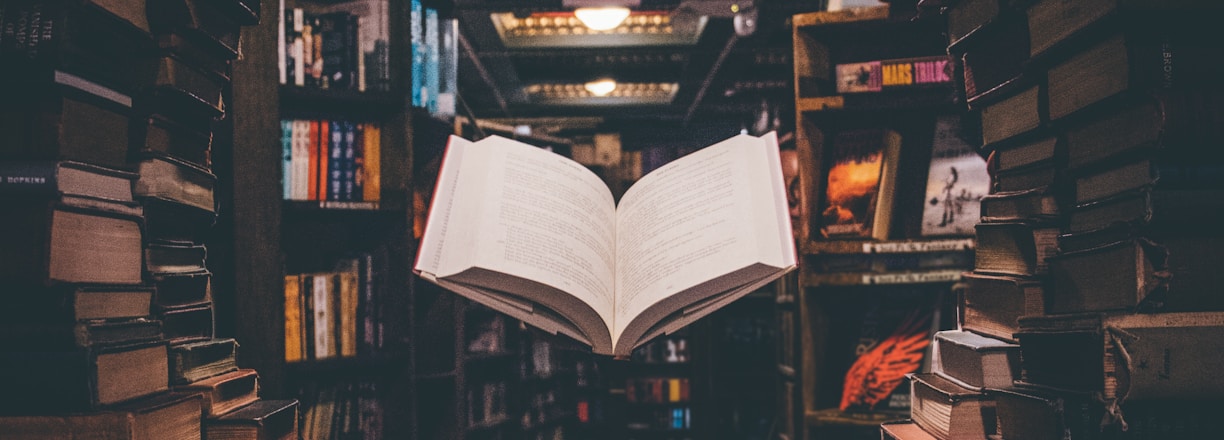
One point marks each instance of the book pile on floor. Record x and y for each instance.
(106, 129)
(1094, 304)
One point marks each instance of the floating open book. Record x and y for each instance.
(540, 237)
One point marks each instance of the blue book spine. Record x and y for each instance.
(417, 32)
(432, 67)
(287, 154)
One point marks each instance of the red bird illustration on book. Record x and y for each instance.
(879, 371)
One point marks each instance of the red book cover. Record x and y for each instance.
(312, 182)
(324, 144)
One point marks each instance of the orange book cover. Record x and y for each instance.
(371, 184)
(859, 182)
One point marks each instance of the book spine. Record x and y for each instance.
(372, 182)
(312, 183)
(293, 318)
(33, 178)
(416, 23)
(432, 51)
(349, 168)
(335, 161)
(359, 161)
(287, 153)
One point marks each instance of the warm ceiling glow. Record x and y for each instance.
(601, 87)
(602, 19)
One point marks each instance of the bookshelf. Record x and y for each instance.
(873, 88)
(350, 248)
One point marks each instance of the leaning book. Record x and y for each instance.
(539, 237)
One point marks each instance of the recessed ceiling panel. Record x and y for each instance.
(562, 29)
(623, 94)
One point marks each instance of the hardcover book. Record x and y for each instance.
(72, 118)
(1044, 414)
(994, 58)
(991, 305)
(72, 183)
(47, 242)
(21, 334)
(949, 411)
(81, 379)
(167, 416)
(956, 182)
(180, 289)
(974, 361)
(540, 237)
(1012, 116)
(261, 420)
(1125, 357)
(196, 361)
(1136, 273)
(74, 302)
(1139, 61)
(169, 221)
(1171, 124)
(1015, 248)
(187, 323)
(160, 135)
(859, 182)
(1037, 204)
(1017, 156)
(226, 392)
(903, 430)
(175, 180)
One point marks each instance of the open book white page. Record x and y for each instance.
(715, 212)
(532, 214)
(535, 235)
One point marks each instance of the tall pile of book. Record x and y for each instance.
(105, 136)
(1095, 301)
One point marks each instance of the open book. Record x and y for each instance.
(539, 237)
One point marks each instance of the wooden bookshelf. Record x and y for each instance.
(267, 237)
(851, 293)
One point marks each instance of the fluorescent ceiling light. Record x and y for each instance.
(603, 18)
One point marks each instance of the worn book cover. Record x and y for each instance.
(262, 420)
(81, 379)
(859, 184)
(163, 416)
(950, 411)
(974, 361)
(956, 182)
(1125, 357)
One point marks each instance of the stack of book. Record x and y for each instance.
(105, 132)
(1098, 248)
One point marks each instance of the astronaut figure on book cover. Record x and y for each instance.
(956, 181)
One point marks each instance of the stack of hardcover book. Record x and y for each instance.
(1098, 248)
(105, 133)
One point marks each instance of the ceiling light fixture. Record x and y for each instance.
(602, 18)
(600, 87)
